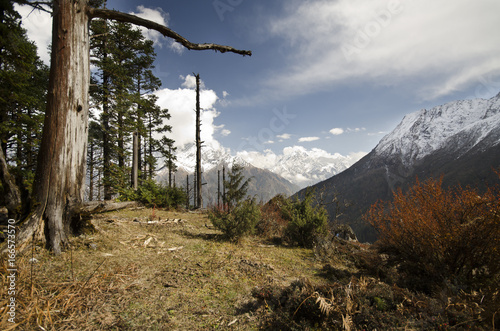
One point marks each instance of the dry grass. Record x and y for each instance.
(134, 275)
(177, 274)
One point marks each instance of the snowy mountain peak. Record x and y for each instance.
(305, 167)
(296, 164)
(464, 122)
(211, 155)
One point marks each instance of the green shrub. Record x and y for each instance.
(306, 222)
(152, 194)
(240, 221)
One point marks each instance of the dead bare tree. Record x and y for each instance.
(198, 202)
(61, 166)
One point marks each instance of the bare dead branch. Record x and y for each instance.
(95, 207)
(37, 5)
(122, 17)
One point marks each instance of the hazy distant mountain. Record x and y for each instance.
(298, 165)
(264, 184)
(459, 140)
(307, 167)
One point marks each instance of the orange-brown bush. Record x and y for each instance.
(273, 222)
(438, 236)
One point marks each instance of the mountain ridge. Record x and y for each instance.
(298, 165)
(458, 141)
(263, 185)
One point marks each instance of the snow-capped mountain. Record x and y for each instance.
(284, 174)
(458, 125)
(264, 184)
(212, 156)
(298, 165)
(307, 167)
(458, 141)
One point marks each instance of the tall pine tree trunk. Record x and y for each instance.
(91, 172)
(60, 173)
(105, 118)
(150, 147)
(135, 161)
(170, 165)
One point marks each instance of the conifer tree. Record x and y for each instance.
(149, 118)
(60, 173)
(125, 83)
(23, 88)
(100, 95)
(236, 186)
(167, 150)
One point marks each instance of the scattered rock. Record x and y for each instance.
(266, 246)
(344, 231)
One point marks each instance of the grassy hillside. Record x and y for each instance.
(175, 273)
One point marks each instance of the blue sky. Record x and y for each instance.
(335, 75)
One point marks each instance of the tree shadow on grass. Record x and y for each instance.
(201, 235)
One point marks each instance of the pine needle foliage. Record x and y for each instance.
(239, 217)
(152, 194)
(236, 186)
(306, 221)
(238, 222)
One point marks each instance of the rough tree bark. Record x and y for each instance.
(135, 160)
(60, 174)
(198, 202)
(11, 192)
(61, 164)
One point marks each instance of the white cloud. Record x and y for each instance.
(224, 101)
(356, 156)
(445, 47)
(190, 82)
(38, 25)
(181, 104)
(39, 28)
(285, 163)
(308, 139)
(294, 149)
(265, 160)
(284, 136)
(377, 133)
(161, 17)
(225, 132)
(356, 129)
(156, 15)
(337, 131)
